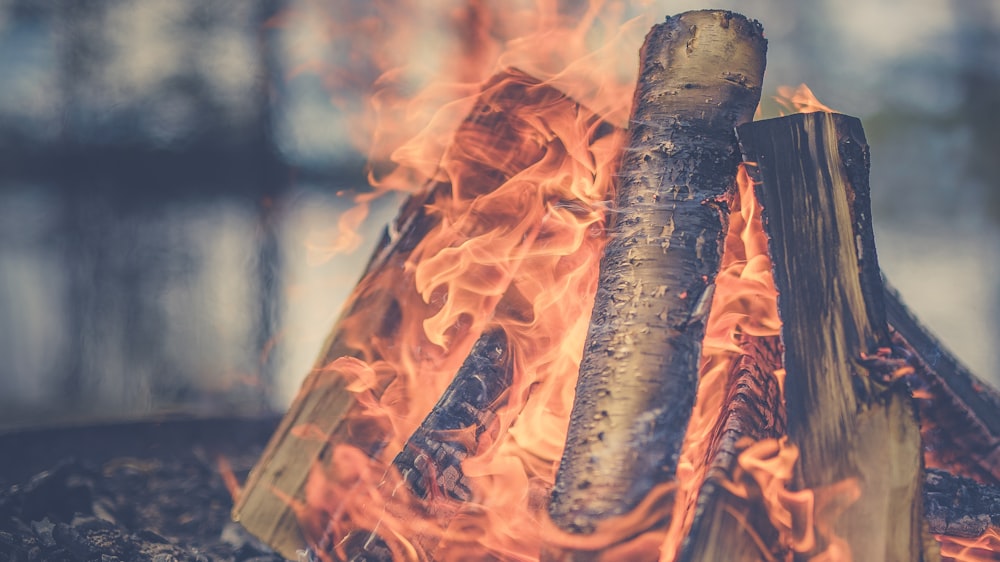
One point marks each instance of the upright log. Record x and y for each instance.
(700, 75)
(490, 147)
(855, 429)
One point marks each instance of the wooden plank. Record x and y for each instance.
(855, 432)
(700, 75)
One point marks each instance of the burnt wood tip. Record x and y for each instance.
(700, 75)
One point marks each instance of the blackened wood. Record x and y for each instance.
(700, 75)
(491, 146)
(430, 462)
(959, 413)
(848, 425)
(960, 507)
(754, 410)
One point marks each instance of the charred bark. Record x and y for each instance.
(959, 413)
(853, 427)
(430, 462)
(960, 507)
(700, 75)
(753, 410)
(491, 147)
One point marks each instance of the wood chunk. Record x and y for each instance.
(700, 75)
(959, 413)
(852, 430)
(430, 462)
(960, 507)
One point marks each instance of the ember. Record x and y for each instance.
(740, 393)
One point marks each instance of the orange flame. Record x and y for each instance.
(800, 100)
(745, 302)
(522, 258)
(977, 549)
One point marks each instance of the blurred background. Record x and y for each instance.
(167, 167)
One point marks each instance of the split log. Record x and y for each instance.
(700, 75)
(853, 430)
(430, 462)
(491, 147)
(959, 413)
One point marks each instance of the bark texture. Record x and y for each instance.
(430, 462)
(855, 429)
(960, 507)
(700, 75)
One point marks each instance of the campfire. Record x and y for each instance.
(666, 341)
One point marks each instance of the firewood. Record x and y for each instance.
(372, 312)
(700, 75)
(753, 410)
(856, 430)
(959, 413)
(960, 507)
(430, 462)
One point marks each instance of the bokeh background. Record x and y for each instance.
(168, 166)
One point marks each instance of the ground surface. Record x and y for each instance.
(145, 491)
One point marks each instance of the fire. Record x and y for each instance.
(800, 100)
(540, 115)
(977, 549)
(744, 305)
(520, 153)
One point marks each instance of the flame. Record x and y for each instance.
(744, 304)
(522, 258)
(800, 100)
(532, 99)
(976, 549)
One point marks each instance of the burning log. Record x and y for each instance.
(753, 410)
(431, 459)
(960, 507)
(959, 414)
(373, 312)
(700, 75)
(856, 430)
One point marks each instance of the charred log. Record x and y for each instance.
(373, 311)
(854, 428)
(430, 462)
(960, 507)
(959, 413)
(700, 75)
(753, 410)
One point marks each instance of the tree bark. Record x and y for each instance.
(700, 75)
(855, 429)
(960, 507)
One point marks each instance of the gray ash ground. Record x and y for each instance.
(126, 497)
